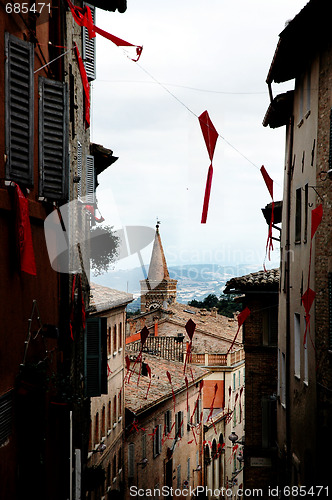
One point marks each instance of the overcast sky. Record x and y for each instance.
(212, 55)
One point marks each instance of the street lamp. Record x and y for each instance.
(233, 437)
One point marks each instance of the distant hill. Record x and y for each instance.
(195, 281)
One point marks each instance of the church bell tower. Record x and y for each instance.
(158, 288)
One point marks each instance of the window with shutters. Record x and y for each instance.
(179, 424)
(89, 48)
(168, 421)
(79, 169)
(131, 460)
(53, 139)
(6, 406)
(19, 122)
(90, 179)
(157, 440)
(178, 477)
(95, 357)
(143, 445)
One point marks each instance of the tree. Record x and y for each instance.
(225, 305)
(103, 248)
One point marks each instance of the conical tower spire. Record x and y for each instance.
(158, 266)
(158, 289)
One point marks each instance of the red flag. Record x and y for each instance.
(86, 86)
(268, 180)
(83, 17)
(240, 320)
(209, 133)
(23, 233)
(190, 328)
(269, 185)
(144, 335)
(307, 299)
(210, 136)
(91, 209)
(316, 218)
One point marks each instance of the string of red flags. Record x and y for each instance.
(210, 136)
(25, 252)
(86, 86)
(83, 17)
(240, 320)
(269, 185)
(190, 329)
(309, 295)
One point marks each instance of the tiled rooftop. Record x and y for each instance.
(103, 298)
(160, 388)
(260, 280)
(213, 331)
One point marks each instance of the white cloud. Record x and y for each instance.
(219, 46)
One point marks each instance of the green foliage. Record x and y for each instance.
(225, 305)
(103, 248)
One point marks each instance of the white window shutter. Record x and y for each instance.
(89, 48)
(79, 168)
(90, 179)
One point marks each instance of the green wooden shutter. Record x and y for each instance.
(95, 357)
(89, 49)
(19, 96)
(53, 139)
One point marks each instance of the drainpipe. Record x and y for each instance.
(288, 285)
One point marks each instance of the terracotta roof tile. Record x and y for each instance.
(260, 280)
(160, 389)
(103, 298)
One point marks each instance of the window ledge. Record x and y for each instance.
(109, 432)
(115, 353)
(114, 425)
(119, 419)
(306, 382)
(298, 377)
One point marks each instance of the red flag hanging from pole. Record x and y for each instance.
(86, 86)
(269, 185)
(210, 136)
(23, 233)
(190, 329)
(240, 320)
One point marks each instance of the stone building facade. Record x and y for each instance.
(259, 292)
(304, 349)
(106, 447)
